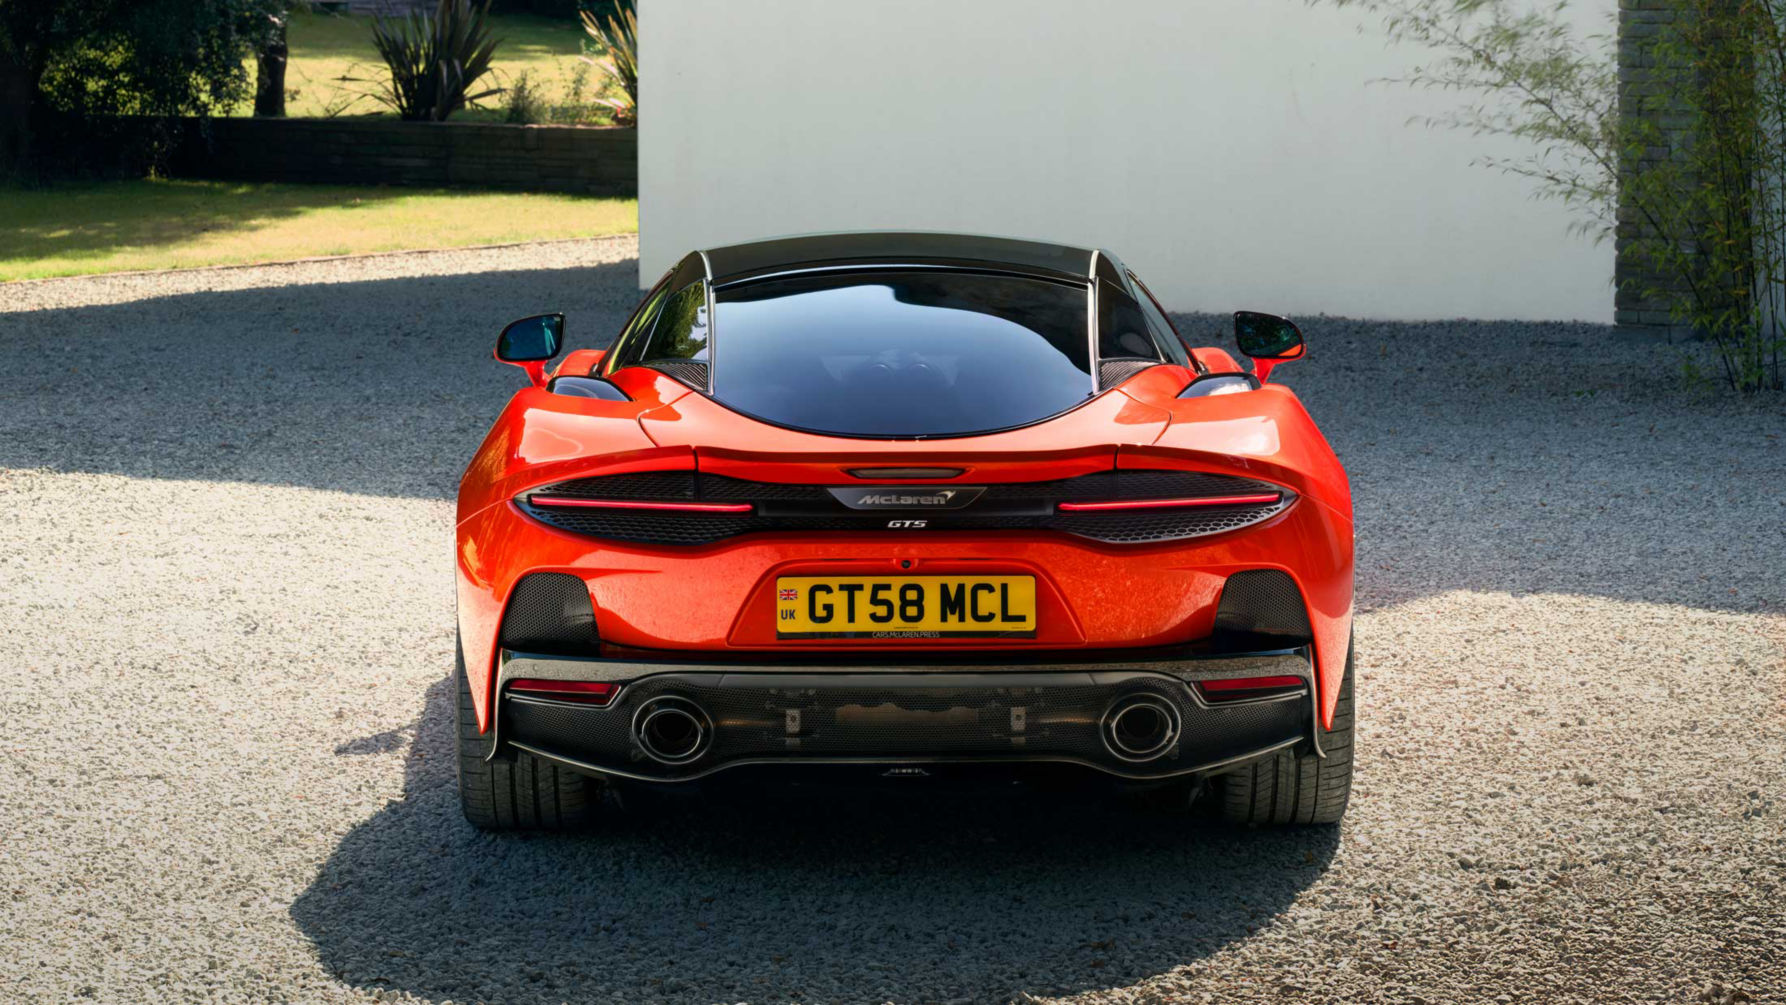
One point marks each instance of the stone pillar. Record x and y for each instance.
(1642, 297)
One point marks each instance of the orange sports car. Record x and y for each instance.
(903, 505)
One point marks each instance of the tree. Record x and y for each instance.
(1690, 157)
(269, 69)
(83, 58)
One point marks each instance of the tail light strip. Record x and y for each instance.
(661, 507)
(1240, 688)
(1255, 499)
(586, 692)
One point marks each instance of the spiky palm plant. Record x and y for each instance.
(618, 35)
(435, 59)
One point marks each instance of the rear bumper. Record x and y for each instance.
(1062, 713)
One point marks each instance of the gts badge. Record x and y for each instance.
(906, 524)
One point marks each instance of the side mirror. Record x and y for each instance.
(529, 342)
(1267, 339)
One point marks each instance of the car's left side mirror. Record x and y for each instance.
(1267, 339)
(529, 342)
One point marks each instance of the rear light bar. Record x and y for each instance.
(1254, 499)
(586, 692)
(660, 507)
(1237, 688)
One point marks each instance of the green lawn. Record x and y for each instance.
(325, 48)
(76, 229)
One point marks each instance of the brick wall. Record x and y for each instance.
(388, 152)
(1642, 298)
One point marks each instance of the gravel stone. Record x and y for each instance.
(225, 590)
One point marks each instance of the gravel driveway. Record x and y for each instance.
(225, 586)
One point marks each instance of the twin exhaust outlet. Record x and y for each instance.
(1137, 728)
(1140, 727)
(672, 729)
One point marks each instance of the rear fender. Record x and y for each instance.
(1267, 434)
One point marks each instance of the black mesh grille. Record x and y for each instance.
(1016, 506)
(1141, 526)
(1033, 718)
(648, 527)
(1112, 372)
(549, 612)
(685, 370)
(1264, 602)
(671, 485)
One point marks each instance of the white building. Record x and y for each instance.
(1235, 153)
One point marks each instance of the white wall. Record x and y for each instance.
(1233, 152)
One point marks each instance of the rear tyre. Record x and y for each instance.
(525, 793)
(1294, 787)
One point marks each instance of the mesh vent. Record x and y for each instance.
(1135, 485)
(685, 370)
(1143, 526)
(646, 527)
(549, 612)
(1112, 372)
(1264, 602)
(651, 485)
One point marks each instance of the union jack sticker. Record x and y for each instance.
(787, 595)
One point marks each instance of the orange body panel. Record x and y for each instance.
(721, 596)
(1217, 361)
(579, 362)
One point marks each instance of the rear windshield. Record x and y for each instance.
(897, 354)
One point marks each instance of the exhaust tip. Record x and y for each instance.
(672, 729)
(1141, 728)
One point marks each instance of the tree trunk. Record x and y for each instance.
(269, 75)
(18, 110)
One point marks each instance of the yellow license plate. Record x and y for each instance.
(905, 607)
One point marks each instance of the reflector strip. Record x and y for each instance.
(1256, 499)
(663, 507)
(1247, 687)
(587, 691)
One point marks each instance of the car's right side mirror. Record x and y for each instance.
(1267, 339)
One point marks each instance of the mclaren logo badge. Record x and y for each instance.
(882, 497)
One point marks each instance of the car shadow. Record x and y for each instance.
(996, 892)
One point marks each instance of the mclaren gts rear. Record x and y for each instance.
(898, 503)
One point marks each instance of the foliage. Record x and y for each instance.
(618, 35)
(524, 105)
(333, 66)
(1527, 74)
(76, 60)
(435, 59)
(1709, 202)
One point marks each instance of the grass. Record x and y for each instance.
(79, 229)
(324, 48)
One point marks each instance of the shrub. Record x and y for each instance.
(1709, 209)
(525, 105)
(435, 59)
(618, 35)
